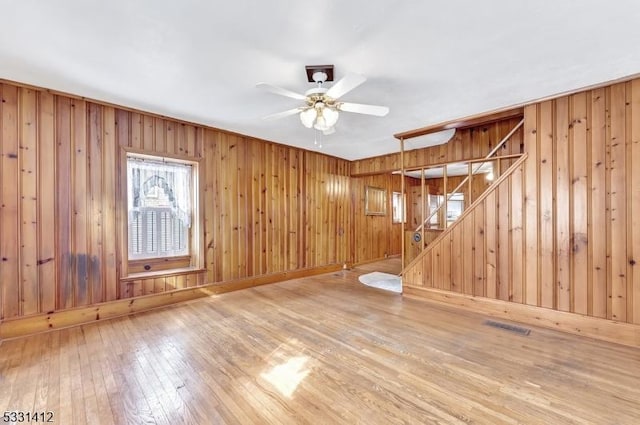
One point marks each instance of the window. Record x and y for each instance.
(455, 206)
(433, 206)
(160, 206)
(398, 208)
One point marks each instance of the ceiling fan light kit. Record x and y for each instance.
(322, 108)
(320, 116)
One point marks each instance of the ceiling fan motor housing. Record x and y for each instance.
(313, 69)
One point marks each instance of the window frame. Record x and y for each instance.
(162, 264)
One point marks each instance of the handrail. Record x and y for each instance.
(473, 173)
(471, 161)
(469, 210)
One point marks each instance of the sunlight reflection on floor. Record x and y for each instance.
(287, 376)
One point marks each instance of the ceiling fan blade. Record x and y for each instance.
(345, 85)
(282, 114)
(281, 91)
(360, 108)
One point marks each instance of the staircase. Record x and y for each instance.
(472, 256)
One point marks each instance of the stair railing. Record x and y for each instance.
(486, 159)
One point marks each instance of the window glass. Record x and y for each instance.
(398, 207)
(455, 206)
(159, 194)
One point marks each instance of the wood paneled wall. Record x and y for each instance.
(267, 208)
(563, 230)
(467, 143)
(375, 236)
(273, 208)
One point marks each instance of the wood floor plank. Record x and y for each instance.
(324, 349)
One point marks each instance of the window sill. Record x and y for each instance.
(162, 273)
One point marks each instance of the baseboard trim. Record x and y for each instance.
(577, 324)
(373, 260)
(30, 325)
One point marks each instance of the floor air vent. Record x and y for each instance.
(507, 327)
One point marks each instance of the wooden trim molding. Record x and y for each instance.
(471, 121)
(29, 325)
(577, 324)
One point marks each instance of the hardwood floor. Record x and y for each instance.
(319, 350)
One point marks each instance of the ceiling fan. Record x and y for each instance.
(322, 105)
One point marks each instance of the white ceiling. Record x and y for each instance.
(432, 61)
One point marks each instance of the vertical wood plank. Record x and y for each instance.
(159, 136)
(170, 140)
(180, 138)
(453, 257)
(182, 281)
(123, 139)
(95, 254)
(516, 242)
(264, 216)
(198, 148)
(633, 120)
(425, 273)
(9, 208)
(563, 204)
(546, 207)
(480, 281)
(136, 288)
(110, 183)
(491, 239)
(159, 284)
(236, 246)
(170, 283)
(209, 205)
(579, 210)
(29, 294)
(531, 216)
(47, 190)
(302, 199)
(438, 266)
(148, 133)
(250, 183)
(294, 213)
(599, 230)
(148, 286)
(216, 174)
(81, 195)
(468, 250)
(226, 211)
(64, 213)
(617, 141)
(242, 172)
(2, 241)
(503, 251)
(191, 140)
(628, 116)
(136, 140)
